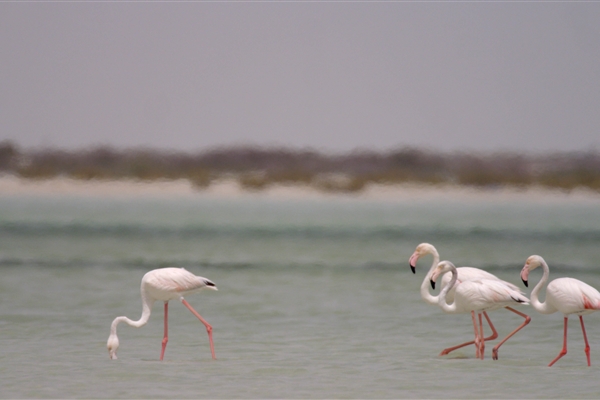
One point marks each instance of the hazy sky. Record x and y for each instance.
(333, 76)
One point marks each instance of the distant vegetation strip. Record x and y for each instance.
(257, 168)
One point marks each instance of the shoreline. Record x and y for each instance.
(12, 186)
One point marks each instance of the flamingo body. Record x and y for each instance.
(469, 274)
(163, 284)
(572, 296)
(566, 295)
(478, 294)
(172, 283)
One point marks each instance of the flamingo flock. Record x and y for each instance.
(474, 291)
(465, 290)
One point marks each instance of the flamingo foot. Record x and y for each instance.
(558, 357)
(587, 353)
(164, 346)
(481, 350)
(451, 349)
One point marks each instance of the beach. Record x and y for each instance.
(229, 188)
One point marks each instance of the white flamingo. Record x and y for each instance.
(567, 295)
(477, 296)
(164, 284)
(464, 273)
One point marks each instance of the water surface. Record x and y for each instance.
(315, 297)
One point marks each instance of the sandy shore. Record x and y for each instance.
(14, 186)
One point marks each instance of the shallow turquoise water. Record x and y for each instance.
(315, 297)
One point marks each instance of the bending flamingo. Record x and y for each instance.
(164, 284)
(567, 295)
(464, 273)
(478, 296)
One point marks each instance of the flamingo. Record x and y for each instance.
(464, 273)
(163, 284)
(567, 295)
(477, 296)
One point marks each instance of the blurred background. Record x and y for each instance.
(329, 77)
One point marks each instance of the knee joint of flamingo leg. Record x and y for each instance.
(165, 340)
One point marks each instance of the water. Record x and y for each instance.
(315, 300)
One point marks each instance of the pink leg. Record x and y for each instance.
(482, 344)
(166, 336)
(206, 324)
(477, 339)
(587, 345)
(564, 349)
(493, 336)
(527, 320)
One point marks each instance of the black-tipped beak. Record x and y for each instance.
(525, 283)
(432, 284)
(413, 269)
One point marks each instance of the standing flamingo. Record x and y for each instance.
(164, 284)
(567, 295)
(477, 296)
(464, 273)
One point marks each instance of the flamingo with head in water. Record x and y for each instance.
(477, 296)
(164, 284)
(567, 295)
(463, 274)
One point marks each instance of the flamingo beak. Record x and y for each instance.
(413, 262)
(525, 275)
(432, 283)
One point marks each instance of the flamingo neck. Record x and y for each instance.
(544, 307)
(425, 294)
(146, 311)
(449, 308)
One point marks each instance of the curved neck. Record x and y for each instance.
(146, 310)
(544, 307)
(449, 308)
(428, 297)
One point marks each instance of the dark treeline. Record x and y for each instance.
(256, 168)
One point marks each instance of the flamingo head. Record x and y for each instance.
(112, 345)
(208, 284)
(532, 263)
(420, 251)
(441, 269)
